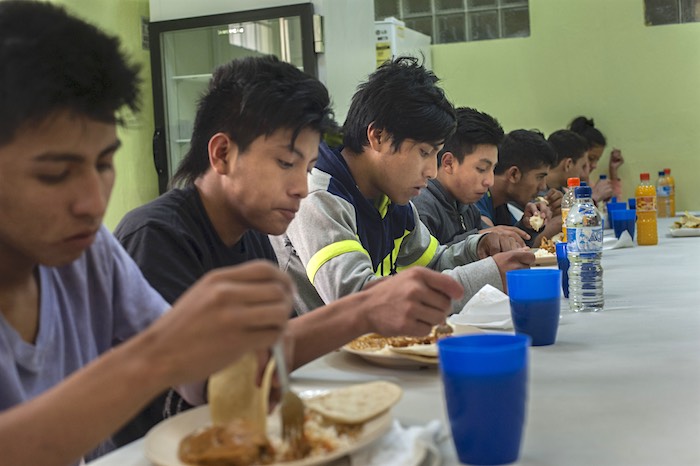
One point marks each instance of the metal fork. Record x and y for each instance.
(291, 408)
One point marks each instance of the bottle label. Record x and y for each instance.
(663, 191)
(584, 239)
(646, 204)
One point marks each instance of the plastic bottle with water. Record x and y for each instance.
(663, 196)
(584, 227)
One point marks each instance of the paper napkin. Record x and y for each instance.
(402, 446)
(625, 241)
(488, 308)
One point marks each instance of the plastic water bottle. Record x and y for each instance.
(584, 247)
(672, 191)
(566, 203)
(663, 196)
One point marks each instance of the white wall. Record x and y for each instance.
(348, 35)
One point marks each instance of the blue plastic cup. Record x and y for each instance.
(485, 383)
(535, 303)
(624, 220)
(632, 202)
(612, 207)
(563, 264)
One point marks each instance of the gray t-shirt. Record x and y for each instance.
(86, 308)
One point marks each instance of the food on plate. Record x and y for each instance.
(548, 245)
(542, 253)
(236, 437)
(430, 350)
(235, 444)
(536, 222)
(356, 404)
(687, 221)
(377, 342)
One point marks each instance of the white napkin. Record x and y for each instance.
(625, 241)
(488, 308)
(401, 446)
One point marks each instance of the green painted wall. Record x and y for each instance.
(136, 177)
(596, 58)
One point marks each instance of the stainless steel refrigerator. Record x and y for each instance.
(184, 52)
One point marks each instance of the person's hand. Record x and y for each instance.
(539, 208)
(513, 260)
(616, 159)
(602, 191)
(227, 313)
(554, 198)
(494, 242)
(517, 235)
(410, 302)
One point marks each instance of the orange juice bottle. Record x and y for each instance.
(567, 202)
(646, 212)
(672, 191)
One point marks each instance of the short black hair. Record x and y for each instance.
(252, 97)
(52, 62)
(568, 144)
(473, 128)
(525, 149)
(401, 97)
(586, 128)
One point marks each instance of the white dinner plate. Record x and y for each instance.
(679, 232)
(162, 441)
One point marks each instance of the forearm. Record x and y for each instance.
(61, 425)
(327, 328)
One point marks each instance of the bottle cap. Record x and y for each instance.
(583, 183)
(573, 182)
(667, 171)
(603, 177)
(662, 173)
(583, 191)
(644, 176)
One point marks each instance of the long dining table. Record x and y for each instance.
(619, 387)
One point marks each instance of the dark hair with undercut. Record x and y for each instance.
(402, 98)
(52, 62)
(586, 128)
(252, 97)
(568, 145)
(525, 149)
(473, 128)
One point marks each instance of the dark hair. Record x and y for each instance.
(567, 144)
(525, 149)
(252, 97)
(401, 97)
(52, 62)
(473, 128)
(586, 128)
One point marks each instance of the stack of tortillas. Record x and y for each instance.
(357, 403)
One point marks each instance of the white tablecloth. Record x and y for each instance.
(620, 387)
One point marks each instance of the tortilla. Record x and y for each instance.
(536, 222)
(357, 403)
(233, 394)
(430, 350)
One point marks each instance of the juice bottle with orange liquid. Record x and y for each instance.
(645, 195)
(672, 190)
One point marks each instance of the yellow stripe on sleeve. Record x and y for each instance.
(426, 257)
(329, 252)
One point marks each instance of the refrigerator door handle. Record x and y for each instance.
(159, 160)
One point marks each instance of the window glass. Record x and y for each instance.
(516, 22)
(451, 28)
(424, 24)
(412, 7)
(482, 3)
(483, 25)
(385, 8)
(447, 5)
(659, 12)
